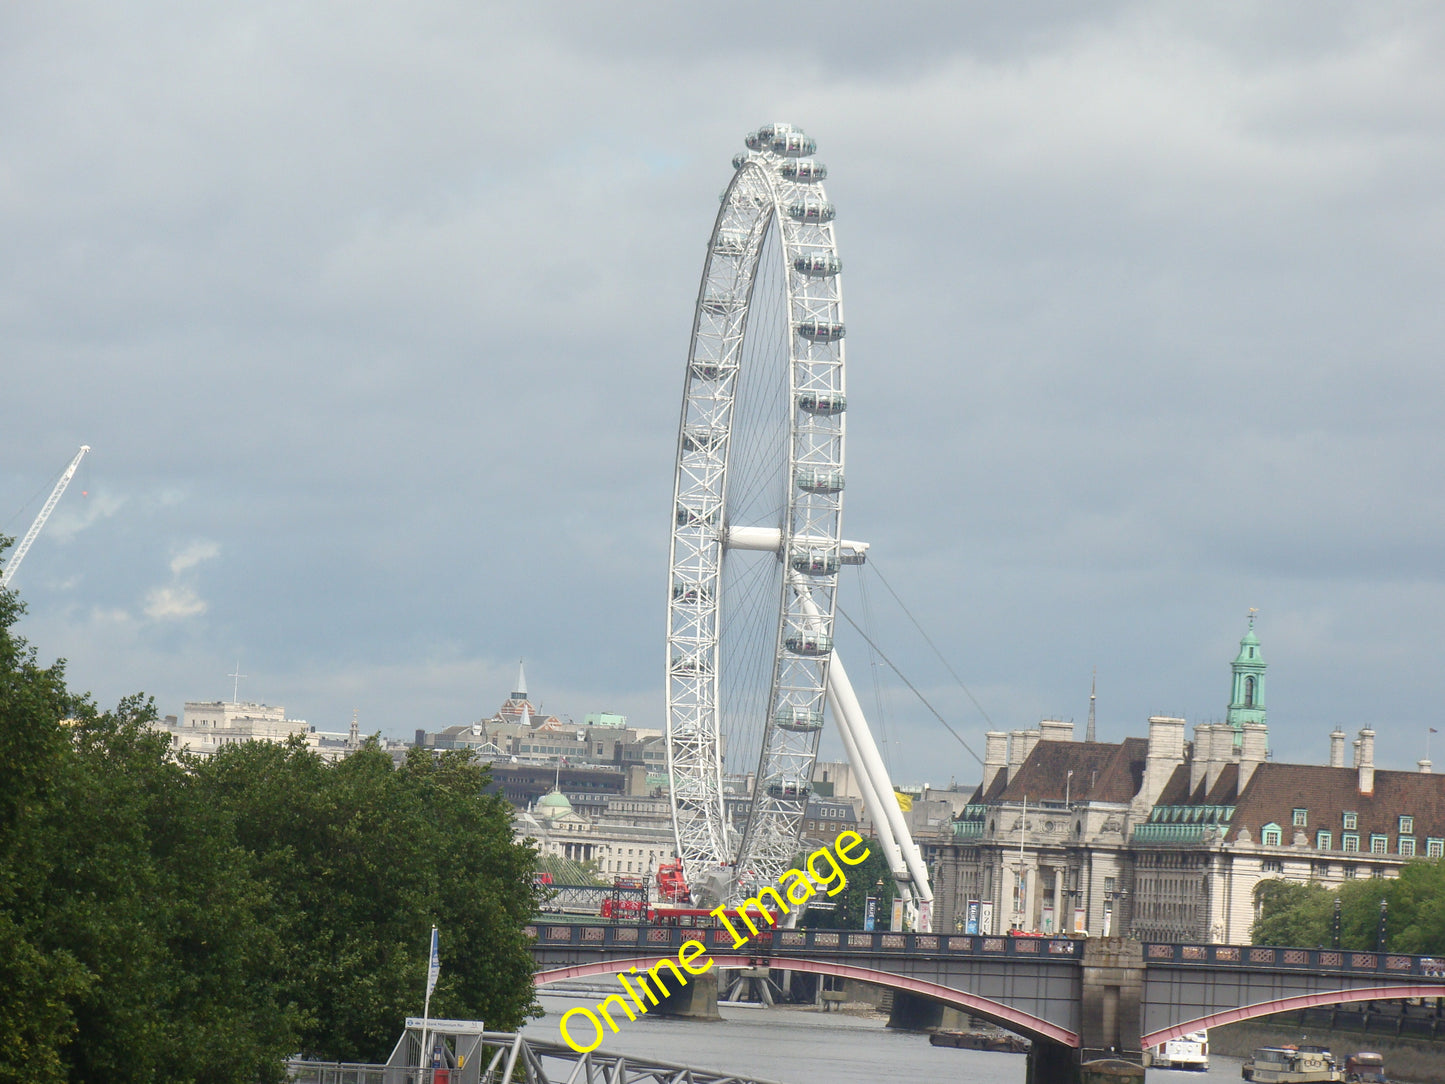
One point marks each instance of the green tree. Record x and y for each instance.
(360, 859)
(165, 920)
(1293, 914)
(871, 877)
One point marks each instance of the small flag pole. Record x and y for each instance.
(433, 968)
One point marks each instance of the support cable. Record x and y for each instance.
(929, 640)
(921, 698)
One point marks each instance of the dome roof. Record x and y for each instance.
(553, 804)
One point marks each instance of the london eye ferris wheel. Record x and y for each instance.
(757, 533)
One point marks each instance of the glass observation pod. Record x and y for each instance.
(812, 561)
(691, 517)
(788, 790)
(690, 664)
(793, 144)
(812, 644)
(799, 720)
(691, 592)
(825, 404)
(730, 243)
(821, 331)
(709, 369)
(741, 159)
(802, 170)
(819, 481)
(812, 210)
(851, 556)
(702, 439)
(818, 264)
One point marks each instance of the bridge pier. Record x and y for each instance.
(1052, 1063)
(1111, 1015)
(695, 1001)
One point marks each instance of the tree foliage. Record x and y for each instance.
(175, 920)
(1304, 915)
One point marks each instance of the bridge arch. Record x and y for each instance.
(1011, 1018)
(1286, 1004)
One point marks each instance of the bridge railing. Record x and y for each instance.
(667, 939)
(1255, 957)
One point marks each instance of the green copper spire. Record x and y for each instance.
(1246, 700)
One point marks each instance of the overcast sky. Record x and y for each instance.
(375, 316)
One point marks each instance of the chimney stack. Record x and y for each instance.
(1424, 767)
(1253, 751)
(1337, 748)
(995, 756)
(1367, 761)
(1056, 730)
(1220, 741)
(1199, 760)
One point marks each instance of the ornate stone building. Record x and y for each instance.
(1168, 839)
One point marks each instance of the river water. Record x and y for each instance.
(802, 1046)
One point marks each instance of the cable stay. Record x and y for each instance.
(902, 677)
(929, 640)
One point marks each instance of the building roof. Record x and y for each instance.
(1224, 792)
(1275, 791)
(1102, 772)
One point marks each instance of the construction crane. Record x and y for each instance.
(55, 494)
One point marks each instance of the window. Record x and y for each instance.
(1351, 872)
(1269, 835)
(1379, 844)
(1349, 842)
(1249, 692)
(1108, 884)
(1301, 818)
(1351, 821)
(1407, 846)
(1435, 848)
(1273, 865)
(1323, 841)
(1407, 826)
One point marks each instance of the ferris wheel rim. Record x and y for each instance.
(765, 194)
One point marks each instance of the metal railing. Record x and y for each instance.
(510, 1058)
(771, 942)
(782, 943)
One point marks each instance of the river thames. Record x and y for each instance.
(799, 1046)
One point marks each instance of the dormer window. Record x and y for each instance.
(1270, 834)
(1351, 822)
(1301, 818)
(1407, 826)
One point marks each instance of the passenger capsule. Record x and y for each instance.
(690, 592)
(851, 556)
(819, 481)
(702, 438)
(812, 210)
(814, 561)
(809, 644)
(740, 159)
(802, 170)
(710, 369)
(789, 790)
(821, 331)
(692, 517)
(730, 243)
(818, 264)
(825, 404)
(793, 144)
(798, 720)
